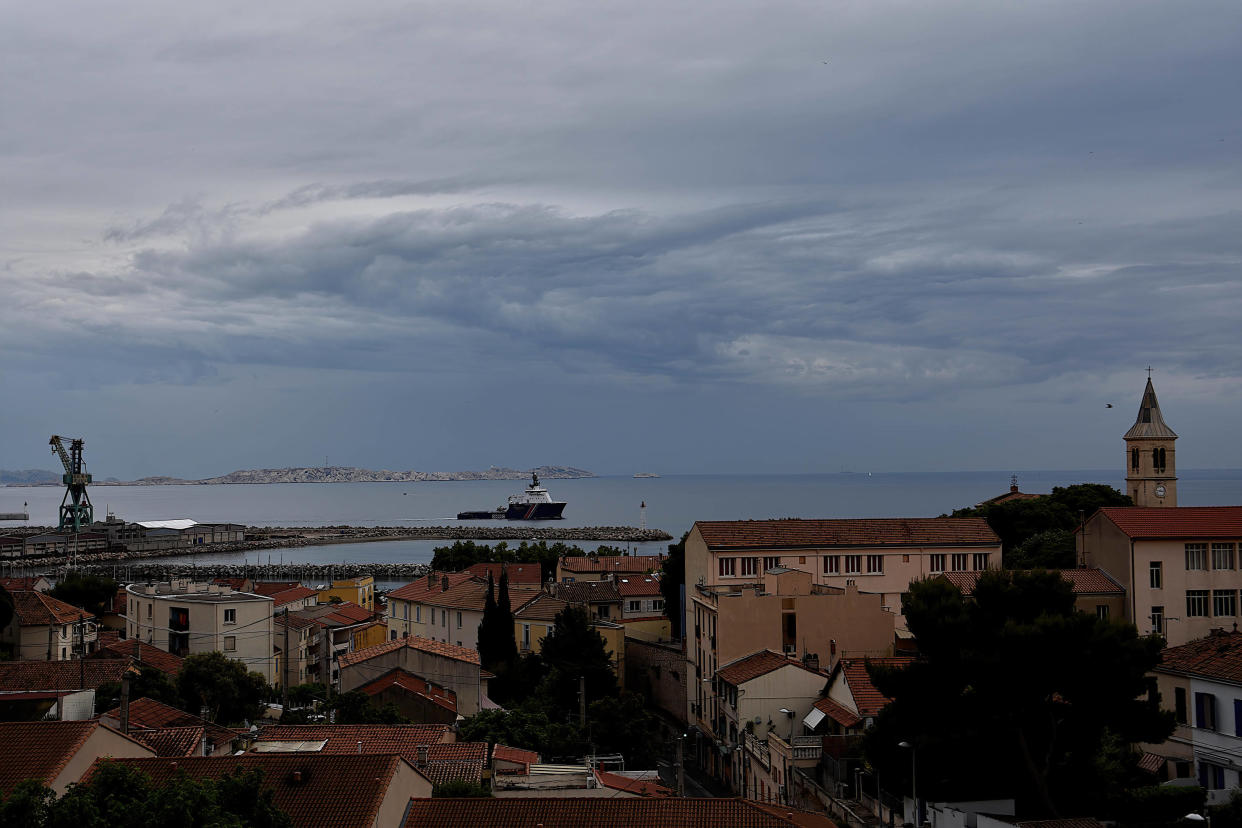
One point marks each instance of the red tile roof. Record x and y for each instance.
(149, 714)
(641, 787)
(32, 608)
(327, 792)
(415, 642)
(172, 741)
(612, 563)
(1151, 763)
(1189, 522)
(347, 614)
(1217, 657)
(542, 607)
(59, 675)
(27, 582)
(511, 754)
(271, 588)
(422, 589)
(790, 533)
(587, 592)
(446, 761)
(839, 713)
(757, 664)
(411, 683)
(868, 700)
(642, 586)
(296, 622)
(642, 812)
(1083, 581)
(39, 750)
(519, 573)
(144, 653)
(288, 596)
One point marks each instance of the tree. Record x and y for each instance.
(672, 580)
(94, 593)
(149, 683)
(496, 644)
(1017, 694)
(459, 788)
(464, 554)
(1017, 521)
(573, 650)
(225, 687)
(6, 607)
(356, 707)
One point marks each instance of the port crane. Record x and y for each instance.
(79, 513)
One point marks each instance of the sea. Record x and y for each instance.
(671, 502)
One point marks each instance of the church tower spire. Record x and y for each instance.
(1151, 471)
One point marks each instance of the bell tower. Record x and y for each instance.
(1151, 470)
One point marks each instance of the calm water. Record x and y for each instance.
(673, 502)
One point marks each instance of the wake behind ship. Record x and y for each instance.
(533, 504)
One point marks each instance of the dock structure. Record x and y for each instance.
(14, 516)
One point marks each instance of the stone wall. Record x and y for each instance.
(658, 671)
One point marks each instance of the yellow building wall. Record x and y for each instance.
(655, 629)
(370, 636)
(360, 591)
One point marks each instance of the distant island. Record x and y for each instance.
(317, 474)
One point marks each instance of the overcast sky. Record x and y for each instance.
(642, 236)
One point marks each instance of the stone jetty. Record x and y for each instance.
(139, 572)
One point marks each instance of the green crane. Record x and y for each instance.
(78, 514)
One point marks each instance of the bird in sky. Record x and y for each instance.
(1108, 405)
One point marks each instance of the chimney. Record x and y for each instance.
(431, 580)
(423, 751)
(811, 660)
(203, 748)
(444, 584)
(360, 746)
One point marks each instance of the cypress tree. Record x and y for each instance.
(487, 629)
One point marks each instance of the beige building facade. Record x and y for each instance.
(184, 618)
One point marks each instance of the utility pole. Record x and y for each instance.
(81, 651)
(51, 638)
(125, 702)
(284, 682)
(681, 766)
(582, 702)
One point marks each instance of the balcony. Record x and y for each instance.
(758, 749)
(807, 747)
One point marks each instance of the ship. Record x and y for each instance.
(646, 474)
(533, 504)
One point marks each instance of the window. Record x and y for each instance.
(959, 562)
(1155, 571)
(1237, 717)
(1196, 556)
(1101, 611)
(1196, 603)
(459, 620)
(937, 562)
(1179, 704)
(418, 613)
(526, 636)
(853, 564)
(728, 566)
(1224, 602)
(392, 635)
(230, 643)
(981, 560)
(230, 616)
(635, 606)
(875, 564)
(1205, 711)
(1134, 459)
(657, 605)
(1157, 620)
(771, 562)
(832, 564)
(1222, 556)
(749, 566)
(1211, 777)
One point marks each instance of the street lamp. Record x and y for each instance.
(1194, 817)
(914, 779)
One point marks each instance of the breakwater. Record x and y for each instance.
(126, 572)
(347, 534)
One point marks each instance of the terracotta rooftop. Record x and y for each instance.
(1217, 657)
(1183, 522)
(31, 608)
(429, 585)
(587, 592)
(149, 714)
(543, 607)
(406, 680)
(142, 652)
(640, 586)
(643, 812)
(868, 700)
(172, 741)
(519, 573)
(297, 593)
(296, 622)
(59, 675)
(511, 754)
(757, 664)
(344, 614)
(331, 791)
(39, 750)
(612, 563)
(13, 584)
(821, 534)
(446, 761)
(838, 713)
(639, 787)
(1083, 581)
(415, 642)
(272, 588)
